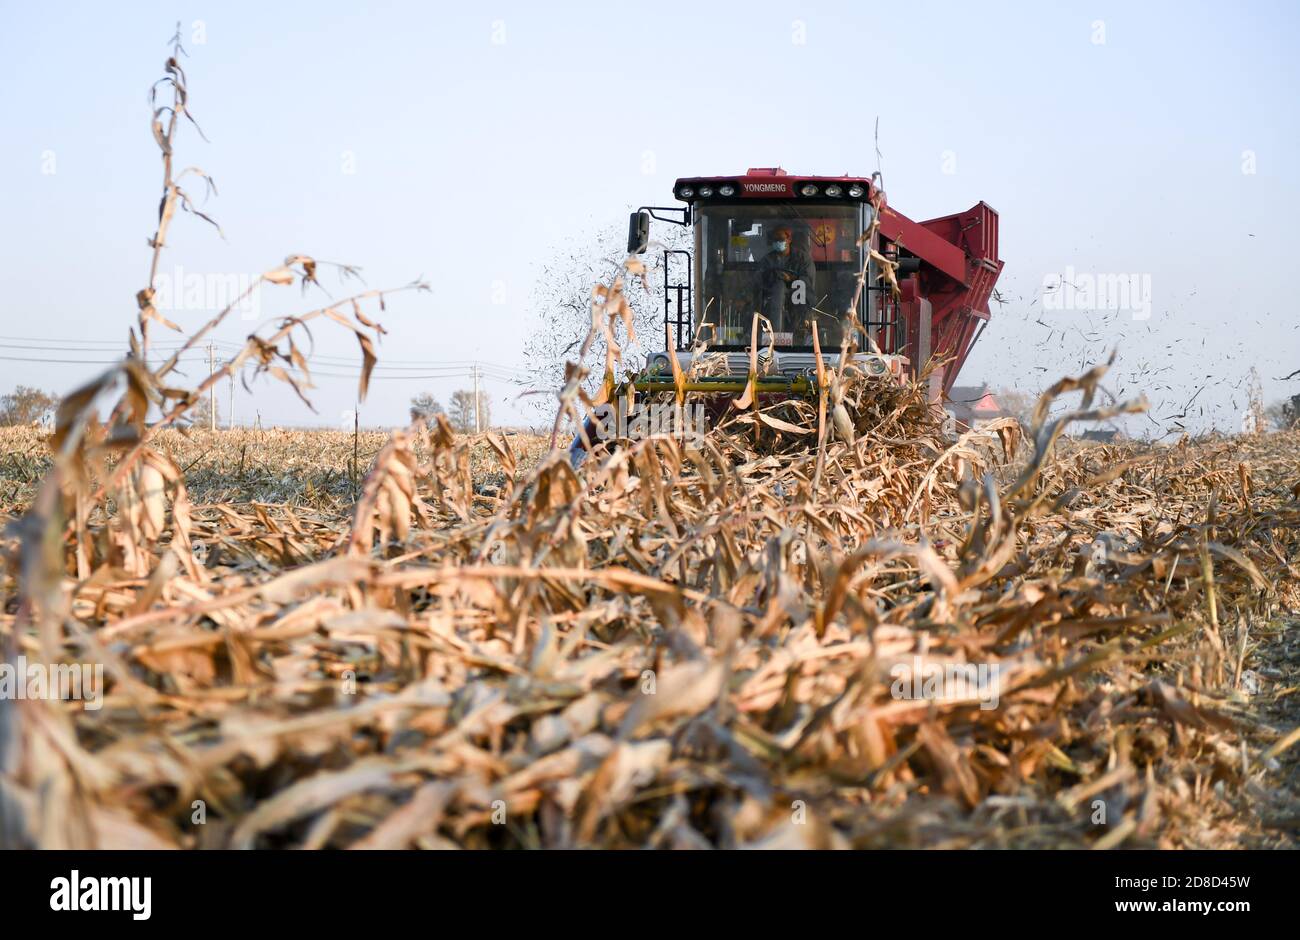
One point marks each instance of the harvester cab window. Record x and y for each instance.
(795, 265)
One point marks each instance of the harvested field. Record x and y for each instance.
(670, 647)
(298, 469)
(826, 623)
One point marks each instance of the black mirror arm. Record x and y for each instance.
(684, 210)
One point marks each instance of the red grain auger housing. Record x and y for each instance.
(789, 247)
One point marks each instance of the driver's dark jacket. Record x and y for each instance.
(777, 294)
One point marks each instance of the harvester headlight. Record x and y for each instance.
(808, 189)
(686, 192)
(876, 366)
(658, 362)
(706, 191)
(856, 190)
(727, 190)
(833, 191)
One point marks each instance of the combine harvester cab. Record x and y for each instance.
(790, 248)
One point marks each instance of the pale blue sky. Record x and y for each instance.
(476, 161)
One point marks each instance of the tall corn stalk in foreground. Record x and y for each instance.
(109, 471)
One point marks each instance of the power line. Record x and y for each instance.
(395, 364)
(81, 362)
(516, 378)
(76, 348)
(415, 369)
(62, 339)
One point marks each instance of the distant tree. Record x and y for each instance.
(462, 414)
(200, 415)
(424, 407)
(25, 405)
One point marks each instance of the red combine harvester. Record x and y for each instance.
(790, 248)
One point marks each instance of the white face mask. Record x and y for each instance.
(779, 246)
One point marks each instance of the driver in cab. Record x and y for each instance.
(786, 282)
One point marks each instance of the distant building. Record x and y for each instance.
(972, 406)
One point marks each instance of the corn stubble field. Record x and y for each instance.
(666, 648)
(462, 641)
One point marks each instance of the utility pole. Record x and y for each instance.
(477, 428)
(212, 390)
(232, 401)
